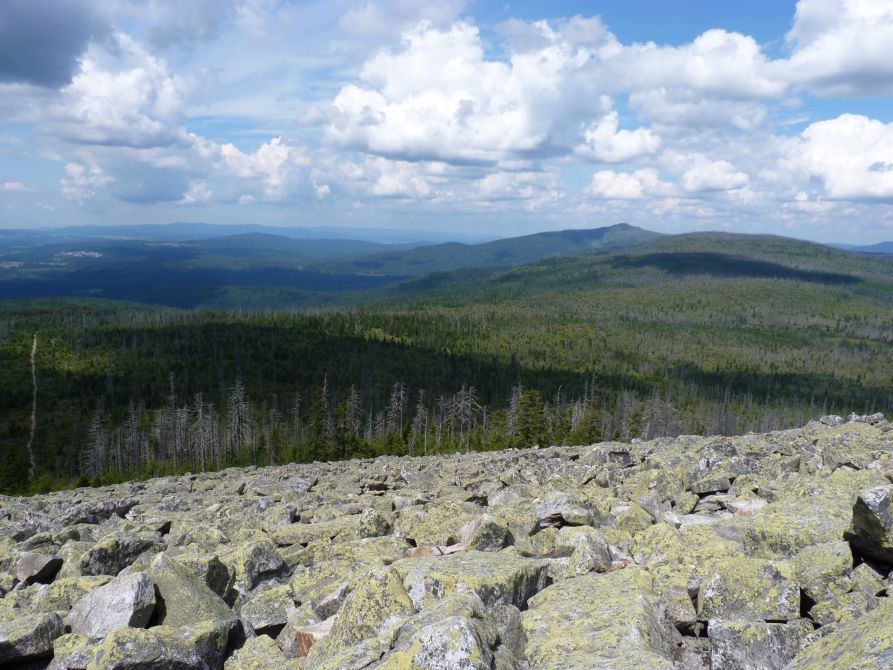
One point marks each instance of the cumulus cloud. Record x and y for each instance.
(82, 181)
(41, 42)
(439, 97)
(852, 155)
(273, 165)
(121, 97)
(718, 62)
(198, 193)
(398, 179)
(635, 185)
(843, 47)
(712, 175)
(603, 141)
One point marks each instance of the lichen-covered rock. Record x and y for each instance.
(429, 562)
(184, 598)
(377, 599)
(864, 643)
(258, 653)
(202, 646)
(748, 589)
(29, 638)
(31, 567)
(872, 529)
(823, 570)
(373, 524)
(125, 601)
(254, 562)
(497, 578)
(114, 553)
(268, 611)
(597, 621)
(754, 645)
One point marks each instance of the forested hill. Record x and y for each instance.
(704, 333)
(257, 270)
(498, 253)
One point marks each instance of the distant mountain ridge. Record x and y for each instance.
(879, 248)
(182, 232)
(506, 252)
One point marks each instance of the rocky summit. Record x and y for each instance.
(761, 551)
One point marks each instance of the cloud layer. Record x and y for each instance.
(380, 109)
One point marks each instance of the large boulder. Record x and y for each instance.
(863, 643)
(29, 638)
(745, 645)
(125, 601)
(203, 646)
(113, 553)
(498, 578)
(597, 622)
(872, 529)
(748, 589)
(32, 567)
(184, 599)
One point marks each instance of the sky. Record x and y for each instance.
(468, 116)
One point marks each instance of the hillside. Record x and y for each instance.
(259, 270)
(498, 253)
(706, 333)
(761, 551)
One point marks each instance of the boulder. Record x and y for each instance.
(29, 638)
(125, 601)
(864, 643)
(32, 567)
(115, 552)
(872, 529)
(183, 598)
(748, 589)
(377, 597)
(748, 645)
(597, 621)
(498, 578)
(268, 611)
(203, 646)
(258, 653)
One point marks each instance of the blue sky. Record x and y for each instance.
(472, 117)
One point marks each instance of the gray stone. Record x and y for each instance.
(125, 601)
(184, 598)
(872, 529)
(754, 645)
(32, 567)
(29, 637)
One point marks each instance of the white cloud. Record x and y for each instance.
(717, 63)
(439, 97)
(274, 165)
(712, 175)
(198, 193)
(604, 142)
(843, 47)
(852, 155)
(398, 179)
(121, 97)
(82, 181)
(15, 186)
(628, 186)
(378, 22)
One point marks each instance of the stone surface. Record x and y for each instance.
(125, 601)
(754, 645)
(29, 637)
(752, 551)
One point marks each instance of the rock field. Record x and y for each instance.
(754, 552)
